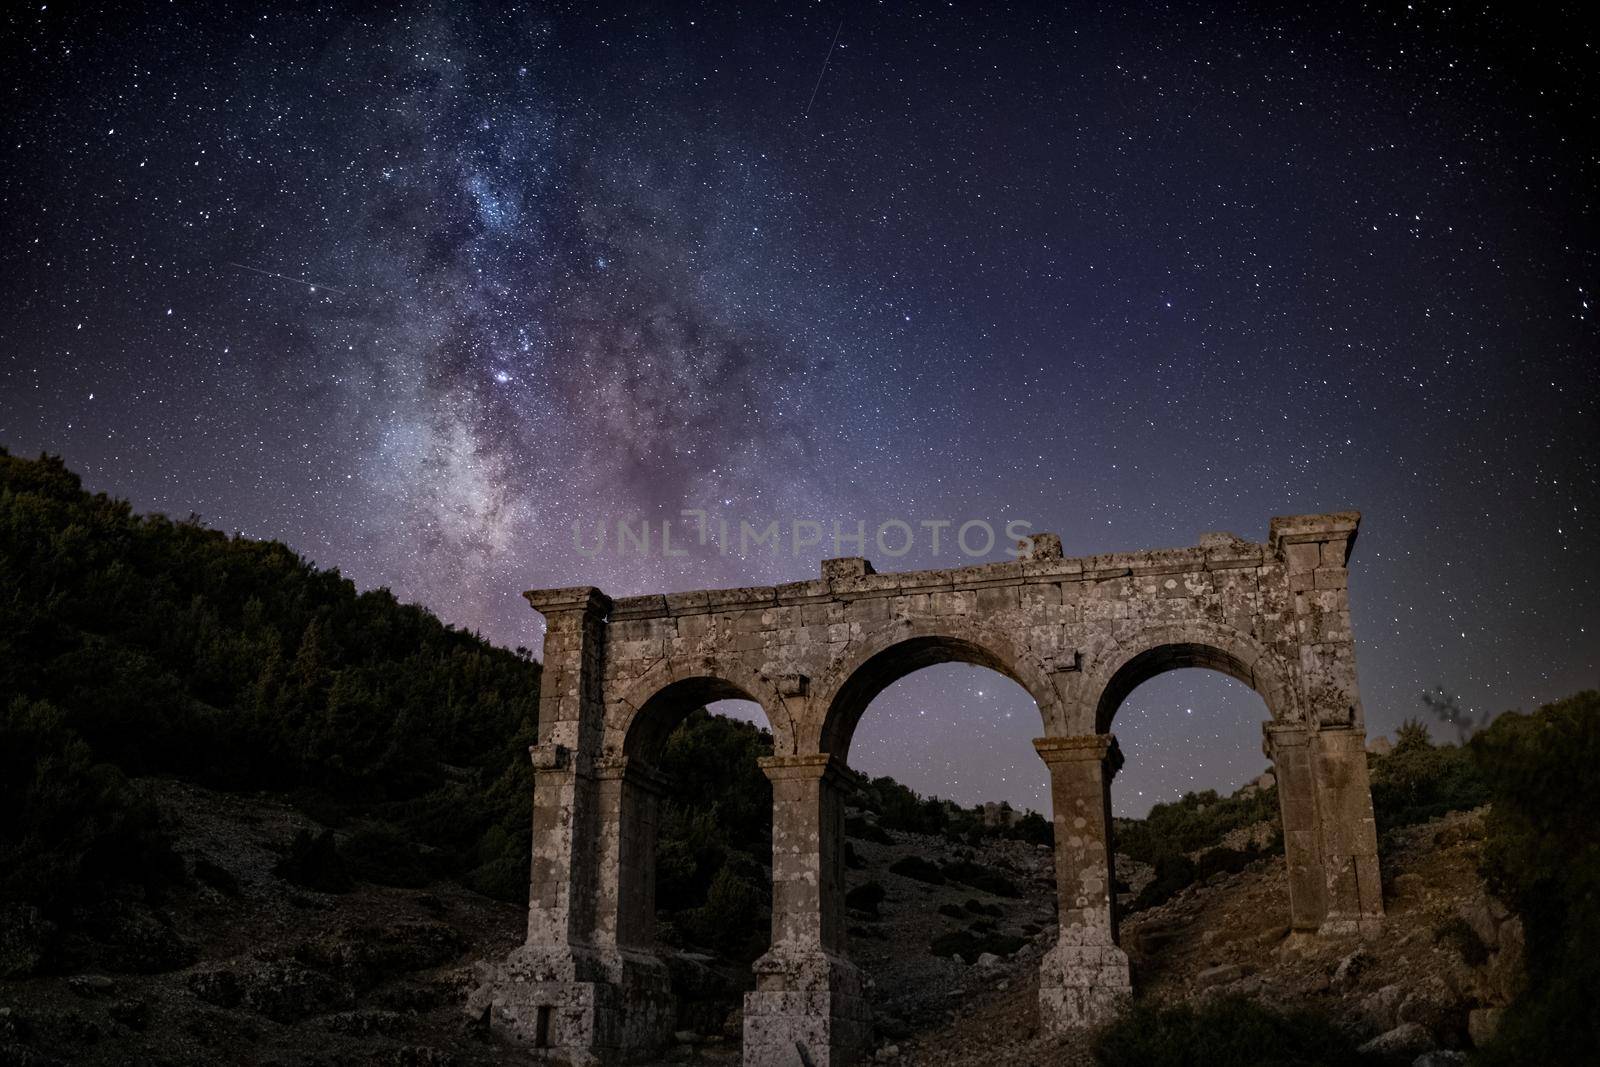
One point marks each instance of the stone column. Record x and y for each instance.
(1083, 979)
(809, 1005)
(568, 993)
(1354, 892)
(629, 803)
(1289, 748)
(1329, 836)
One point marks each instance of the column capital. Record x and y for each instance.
(1282, 735)
(818, 765)
(1080, 747)
(634, 771)
(584, 598)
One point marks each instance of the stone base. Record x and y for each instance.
(1367, 927)
(577, 1007)
(809, 1009)
(1082, 985)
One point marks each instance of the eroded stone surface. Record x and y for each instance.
(1078, 634)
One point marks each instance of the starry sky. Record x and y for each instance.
(416, 287)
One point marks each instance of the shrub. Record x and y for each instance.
(917, 868)
(866, 830)
(979, 877)
(1230, 1030)
(313, 861)
(1195, 821)
(865, 898)
(1419, 780)
(1542, 857)
(380, 855)
(74, 830)
(970, 944)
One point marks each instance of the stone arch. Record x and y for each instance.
(854, 680)
(655, 704)
(1120, 669)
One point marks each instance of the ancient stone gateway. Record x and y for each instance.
(1078, 634)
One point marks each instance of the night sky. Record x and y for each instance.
(415, 288)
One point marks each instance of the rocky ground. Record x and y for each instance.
(246, 968)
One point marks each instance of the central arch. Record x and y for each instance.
(857, 679)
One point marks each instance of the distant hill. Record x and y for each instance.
(136, 645)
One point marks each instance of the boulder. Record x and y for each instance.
(1407, 1039)
(1383, 1007)
(1218, 976)
(1409, 886)
(1483, 1024)
(1349, 970)
(91, 985)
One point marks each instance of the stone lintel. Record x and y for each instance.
(749, 596)
(653, 606)
(1095, 574)
(1300, 529)
(854, 578)
(571, 598)
(807, 592)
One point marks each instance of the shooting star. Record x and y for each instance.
(313, 286)
(825, 61)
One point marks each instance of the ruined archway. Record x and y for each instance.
(1077, 634)
(857, 679)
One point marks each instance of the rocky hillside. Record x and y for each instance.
(247, 966)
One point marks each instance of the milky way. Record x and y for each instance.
(416, 290)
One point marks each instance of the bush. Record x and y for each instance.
(380, 855)
(970, 944)
(1542, 857)
(979, 877)
(865, 830)
(1419, 780)
(1195, 821)
(74, 830)
(917, 868)
(865, 898)
(313, 861)
(1230, 1030)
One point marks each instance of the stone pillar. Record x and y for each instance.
(1353, 892)
(809, 1005)
(1289, 748)
(1315, 552)
(1329, 836)
(570, 994)
(629, 793)
(1083, 979)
